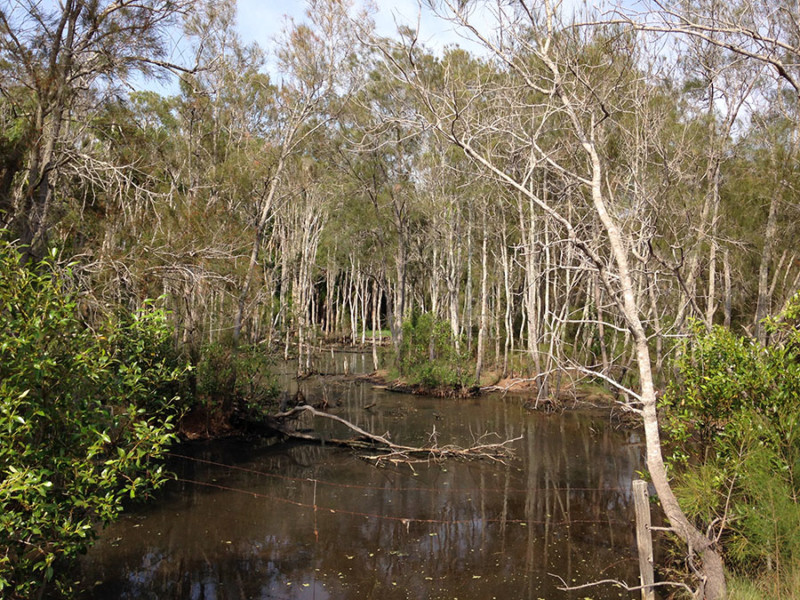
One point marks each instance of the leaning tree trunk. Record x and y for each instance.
(713, 586)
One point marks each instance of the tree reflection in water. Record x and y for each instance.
(476, 530)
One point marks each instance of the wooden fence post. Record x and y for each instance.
(644, 539)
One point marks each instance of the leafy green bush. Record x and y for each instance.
(85, 415)
(244, 377)
(216, 375)
(428, 354)
(734, 420)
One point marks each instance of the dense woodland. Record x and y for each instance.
(576, 193)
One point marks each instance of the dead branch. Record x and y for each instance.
(628, 588)
(387, 449)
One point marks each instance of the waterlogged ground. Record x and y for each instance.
(303, 522)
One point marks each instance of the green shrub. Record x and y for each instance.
(216, 376)
(734, 420)
(256, 385)
(85, 415)
(429, 353)
(226, 378)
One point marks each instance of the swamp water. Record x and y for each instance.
(289, 521)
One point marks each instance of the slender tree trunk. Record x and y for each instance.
(497, 320)
(726, 265)
(330, 295)
(400, 293)
(601, 327)
(527, 227)
(365, 300)
(762, 306)
(484, 317)
(711, 300)
(375, 323)
(467, 312)
(434, 282)
(263, 218)
(656, 327)
(453, 259)
(547, 318)
(509, 299)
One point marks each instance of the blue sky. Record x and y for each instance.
(261, 20)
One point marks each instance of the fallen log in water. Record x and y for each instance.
(386, 449)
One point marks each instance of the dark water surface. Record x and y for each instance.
(302, 522)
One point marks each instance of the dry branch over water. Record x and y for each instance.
(389, 451)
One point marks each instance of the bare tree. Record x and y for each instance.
(552, 113)
(311, 92)
(765, 36)
(761, 30)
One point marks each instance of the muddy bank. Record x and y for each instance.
(526, 389)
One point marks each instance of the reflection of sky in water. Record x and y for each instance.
(460, 529)
(204, 590)
(144, 577)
